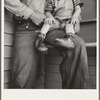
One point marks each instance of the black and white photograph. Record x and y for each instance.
(50, 45)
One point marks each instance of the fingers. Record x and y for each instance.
(49, 20)
(77, 27)
(37, 22)
(75, 21)
(56, 22)
(46, 21)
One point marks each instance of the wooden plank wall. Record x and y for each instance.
(8, 45)
(88, 33)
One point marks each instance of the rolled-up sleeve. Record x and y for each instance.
(78, 2)
(18, 8)
(50, 5)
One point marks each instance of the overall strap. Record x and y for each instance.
(73, 4)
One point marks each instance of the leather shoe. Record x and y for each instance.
(65, 42)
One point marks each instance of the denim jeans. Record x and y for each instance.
(74, 66)
(27, 71)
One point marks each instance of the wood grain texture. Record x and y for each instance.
(8, 16)
(92, 61)
(54, 60)
(7, 64)
(7, 86)
(55, 69)
(52, 69)
(8, 27)
(88, 32)
(91, 51)
(7, 76)
(89, 10)
(93, 87)
(8, 52)
(8, 39)
(92, 70)
(52, 77)
(53, 85)
(8, 43)
(93, 80)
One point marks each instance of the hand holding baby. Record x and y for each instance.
(51, 20)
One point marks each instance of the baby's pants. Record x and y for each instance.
(69, 28)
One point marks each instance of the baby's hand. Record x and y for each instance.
(76, 23)
(50, 20)
(74, 20)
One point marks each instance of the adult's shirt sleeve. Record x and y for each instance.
(18, 8)
(78, 2)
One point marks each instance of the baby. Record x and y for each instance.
(60, 14)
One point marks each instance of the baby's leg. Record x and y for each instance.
(45, 28)
(39, 45)
(69, 28)
(67, 41)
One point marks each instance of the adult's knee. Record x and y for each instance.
(79, 41)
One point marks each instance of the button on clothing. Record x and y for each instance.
(22, 16)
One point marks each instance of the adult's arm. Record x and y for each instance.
(22, 10)
(18, 8)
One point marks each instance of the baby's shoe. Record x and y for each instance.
(39, 45)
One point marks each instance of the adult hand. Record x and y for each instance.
(37, 17)
(51, 20)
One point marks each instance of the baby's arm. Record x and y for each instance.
(47, 23)
(77, 12)
(50, 19)
(75, 20)
(76, 15)
(49, 11)
(72, 26)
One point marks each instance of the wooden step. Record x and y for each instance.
(86, 44)
(90, 44)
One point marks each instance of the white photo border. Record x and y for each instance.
(47, 94)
